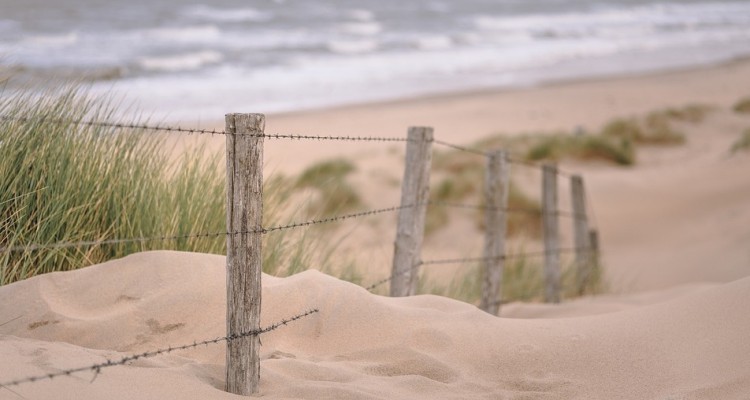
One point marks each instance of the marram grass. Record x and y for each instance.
(62, 182)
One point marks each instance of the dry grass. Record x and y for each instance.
(743, 143)
(523, 280)
(334, 193)
(742, 106)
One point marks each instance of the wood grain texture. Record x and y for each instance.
(552, 275)
(496, 188)
(415, 192)
(244, 213)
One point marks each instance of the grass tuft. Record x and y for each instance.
(742, 106)
(743, 143)
(61, 182)
(328, 179)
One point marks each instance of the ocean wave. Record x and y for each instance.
(353, 46)
(643, 19)
(186, 34)
(245, 14)
(435, 42)
(361, 28)
(62, 40)
(180, 62)
(360, 14)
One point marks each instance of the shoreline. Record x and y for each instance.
(514, 89)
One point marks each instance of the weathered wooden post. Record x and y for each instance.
(415, 192)
(244, 212)
(496, 188)
(552, 273)
(580, 233)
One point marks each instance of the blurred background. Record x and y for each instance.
(186, 59)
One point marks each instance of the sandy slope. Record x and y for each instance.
(361, 345)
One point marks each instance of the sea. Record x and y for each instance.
(197, 60)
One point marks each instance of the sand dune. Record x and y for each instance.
(361, 345)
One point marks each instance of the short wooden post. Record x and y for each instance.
(552, 274)
(415, 192)
(496, 188)
(244, 212)
(580, 233)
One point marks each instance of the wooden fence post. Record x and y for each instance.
(244, 212)
(552, 274)
(580, 233)
(415, 192)
(496, 187)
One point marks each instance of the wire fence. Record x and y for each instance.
(97, 367)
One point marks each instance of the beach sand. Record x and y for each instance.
(674, 228)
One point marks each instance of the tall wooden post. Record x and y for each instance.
(580, 233)
(415, 192)
(496, 188)
(244, 212)
(552, 275)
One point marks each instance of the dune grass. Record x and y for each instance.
(742, 106)
(62, 182)
(334, 193)
(523, 280)
(743, 143)
(582, 147)
(460, 178)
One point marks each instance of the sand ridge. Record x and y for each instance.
(361, 345)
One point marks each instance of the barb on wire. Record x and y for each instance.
(60, 245)
(460, 148)
(96, 368)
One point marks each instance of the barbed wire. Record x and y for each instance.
(506, 209)
(472, 259)
(460, 148)
(189, 131)
(96, 368)
(115, 125)
(85, 243)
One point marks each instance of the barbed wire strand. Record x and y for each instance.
(460, 148)
(506, 210)
(471, 259)
(189, 131)
(96, 368)
(85, 243)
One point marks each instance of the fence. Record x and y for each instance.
(245, 135)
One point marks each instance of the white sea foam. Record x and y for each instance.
(209, 13)
(186, 34)
(359, 46)
(434, 42)
(361, 28)
(62, 40)
(180, 62)
(361, 15)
